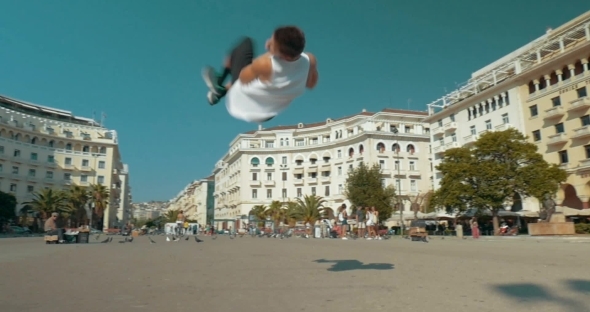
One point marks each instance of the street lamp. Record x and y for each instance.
(398, 185)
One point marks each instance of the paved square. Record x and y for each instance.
(267, 274)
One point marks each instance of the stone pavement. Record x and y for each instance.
(267, 274)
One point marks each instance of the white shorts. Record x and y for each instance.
(242, 105)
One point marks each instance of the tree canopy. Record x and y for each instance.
(487, 176)
(7, 206)
(364, 188)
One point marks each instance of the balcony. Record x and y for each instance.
(312, 180)
(255, 183)
(584, 164)
(438, 131)
(554, 113)
(298, 182)
(451, 126)
(579, 104)
(504, 126)
(386, 172)
(399, 172)
(471, 139)
(85, 168)
(269, 183)
(50, 164)
(581, 133)
(69, 167)
(452, 145)
(557, 139)
(413, 173)
(326, 179)
(439, 149)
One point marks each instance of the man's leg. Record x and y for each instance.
(240, 57)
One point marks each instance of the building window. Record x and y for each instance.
(83, 178)
(587, 149)
(299, 192)
(101, 164)
(585, 120)
(339, 170)
(452, 117)
(559, 128)
(534, 110)
(488, 125)
(269, 176)
(32, 172)
(556, 101)
(100, 180)
(412, 166)
(67, 176)
(14, 170)
(16, 153)
(1, 149)
(13, 187)
(398, 184)
(453, 137)
(284, 160)
(396, 165)
(1, 167)
(254, 176)
(269, 161)
(340, 189)
(339, 153)
(30, 189)
(269, 193)
(269, 144)
(49, 175)
(383, 182)
(313, 190)
(85, 162)
(563, 158)
(381, 163)
(33, 156)
(413, 185)
(68, 161)
(50, 159)
(327, 190)
(505, 118)
(537, 135)
(440, 123)
(299, 142)
(298, 176)
(284, 193)
(582, 92)
(68, 147)
(254, 193)
(284, 176)
(473, 131)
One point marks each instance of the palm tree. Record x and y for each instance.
(100, 198)
(291, 208)
(309, 209)
(276, 212)
(259, 212)
(78, 197)
(47, 201)
(171, 215)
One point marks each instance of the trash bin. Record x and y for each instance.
(82, 238)
(317, 232)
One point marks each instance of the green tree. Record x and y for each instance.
(78, 197)
(309, 209)
(47, 201)
(259, 212)
(501, 164)
(420, 202)
(7, 207)
(99, 196)
(364, 188)
(276, 212)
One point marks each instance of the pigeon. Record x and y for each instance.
(167, 238)
(110, 239)
(123, 241)
(231, 237)
(106, 240)
(130, 239)
(198, 240)
(151, 240)
(97, 237)
(186, 238)
(214, 237)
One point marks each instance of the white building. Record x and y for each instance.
(192, 200)
(287, 162)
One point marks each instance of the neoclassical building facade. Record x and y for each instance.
(43, 147)
(287, 162)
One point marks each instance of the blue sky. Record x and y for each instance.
(139, 62)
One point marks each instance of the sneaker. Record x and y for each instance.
(211, 77)
(212, 98)
(369, 238)
(345, 238)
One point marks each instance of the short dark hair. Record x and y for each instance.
(290, 40)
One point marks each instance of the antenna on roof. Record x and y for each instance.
(103, 116)
(409, 101)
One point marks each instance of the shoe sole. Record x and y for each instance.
(209, 77)
(210, 96)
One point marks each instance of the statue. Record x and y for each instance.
(549, 207)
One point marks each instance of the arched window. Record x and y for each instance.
(269, 161)
(68, 147)
(395, 147)
(255, 161)
(361, 149)
(51, 143)
(410, 149)
(34, 140)
(351, 152)
(287, 142)
(380, 147)
(103, 150)
(85, 149)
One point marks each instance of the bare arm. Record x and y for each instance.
(260, 68)
(312, 77)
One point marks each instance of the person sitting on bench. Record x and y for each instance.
(51, 228)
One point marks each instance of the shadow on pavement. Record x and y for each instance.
(528, 292)
(349, 265)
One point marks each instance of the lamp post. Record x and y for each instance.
(398, 185)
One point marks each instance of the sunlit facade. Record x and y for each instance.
(287, 162)
(193, 200)
(43, 147)
(540, 90)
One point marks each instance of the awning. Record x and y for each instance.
(298, 157)
(315, 169)
(298, 171)
(326, 168)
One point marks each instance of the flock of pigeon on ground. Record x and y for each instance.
(168, 239)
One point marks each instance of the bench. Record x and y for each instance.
(51, 239)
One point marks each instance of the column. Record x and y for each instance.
(547, 81)
(587, 30)
(585, 64)
(536, 82)
(561, 46)
(572, 69)
(497, 102)
(504, 95)
(559, 74)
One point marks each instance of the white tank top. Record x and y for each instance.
(259, 100)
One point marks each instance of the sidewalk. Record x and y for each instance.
(566, 238)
